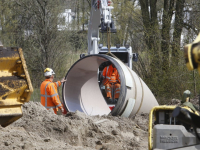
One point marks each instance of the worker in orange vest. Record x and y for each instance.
(49, 94)
(111, 80)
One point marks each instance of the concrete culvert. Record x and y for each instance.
(82, 92)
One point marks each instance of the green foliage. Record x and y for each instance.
(147, 26)
(33, 25)
(35, 96)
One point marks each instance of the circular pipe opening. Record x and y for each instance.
(82, 92)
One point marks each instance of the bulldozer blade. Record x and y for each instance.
(15, 84)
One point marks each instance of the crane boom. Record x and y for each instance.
(101, 16)
(100, 13)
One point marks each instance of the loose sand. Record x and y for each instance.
(41, 129)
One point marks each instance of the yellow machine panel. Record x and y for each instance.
(15, 84)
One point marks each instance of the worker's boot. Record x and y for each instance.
(109, 101)
(115, 101)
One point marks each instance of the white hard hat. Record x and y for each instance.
(48, 72)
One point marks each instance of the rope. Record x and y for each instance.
(108, 41)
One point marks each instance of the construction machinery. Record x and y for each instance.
(83, 90)
(15, 84)
(172, 127)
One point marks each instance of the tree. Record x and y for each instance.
(35, 29)
(7, 23)
(155, 29)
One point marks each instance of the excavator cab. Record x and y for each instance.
(15, 84)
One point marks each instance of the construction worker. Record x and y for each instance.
(49, 94)
(187, 104)
(111, 81)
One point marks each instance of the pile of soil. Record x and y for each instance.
(41, 129)
(195, 101)
(177, 102)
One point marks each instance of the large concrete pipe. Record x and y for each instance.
(81, 91)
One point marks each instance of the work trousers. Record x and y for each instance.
(116, 90)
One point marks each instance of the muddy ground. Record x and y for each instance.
(41, 129)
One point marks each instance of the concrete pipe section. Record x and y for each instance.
(84, 92)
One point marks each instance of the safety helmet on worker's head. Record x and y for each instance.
(186, 96)
(48, 72)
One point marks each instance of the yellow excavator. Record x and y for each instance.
(177, 128)
(15, 84)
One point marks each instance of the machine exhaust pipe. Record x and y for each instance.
(82, 92)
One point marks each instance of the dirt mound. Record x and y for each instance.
(41, 129)
(195, 101)
(175, 102)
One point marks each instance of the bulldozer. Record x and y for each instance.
(15, 84)
(177, 128)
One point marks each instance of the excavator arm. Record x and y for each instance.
(100, 16)
(83, 88)
(101, 20)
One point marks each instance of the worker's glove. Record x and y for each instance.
(63, 80)
(102, 77)
(62, 110)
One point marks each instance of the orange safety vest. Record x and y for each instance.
(49, 95)
(110, 74)
(113, 78)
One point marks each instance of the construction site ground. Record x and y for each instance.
(41, 129)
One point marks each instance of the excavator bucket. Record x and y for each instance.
(15, 84)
